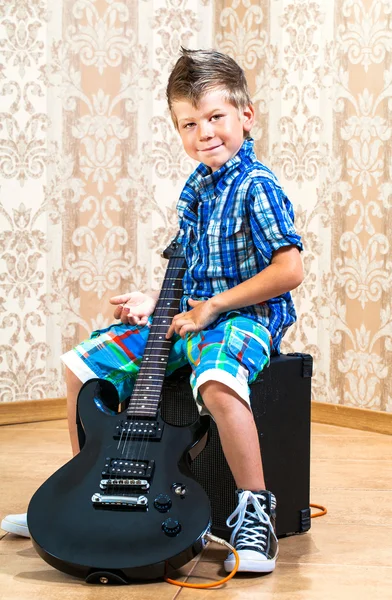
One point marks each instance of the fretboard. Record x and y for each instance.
(147, 389)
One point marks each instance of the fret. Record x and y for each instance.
(154, 362)
(153, 395)
(150, 367)
(160, 317)
(159, 352)
(143, 401)
(152, 392)
(176, 268)
(146, 395)
(147, 386)
(143, 393)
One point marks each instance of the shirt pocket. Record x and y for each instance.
(227, 246)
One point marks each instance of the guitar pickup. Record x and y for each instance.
(127, 469)
(124, 483)
(128, 502)
(131, 429)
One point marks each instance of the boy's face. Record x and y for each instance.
(213, 132)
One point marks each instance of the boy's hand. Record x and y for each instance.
(201, 315)
(134, 308)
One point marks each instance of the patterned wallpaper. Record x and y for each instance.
(91, 168)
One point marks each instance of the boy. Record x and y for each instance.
(243, 258)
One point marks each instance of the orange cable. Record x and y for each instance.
(212, 538)
(323, 510)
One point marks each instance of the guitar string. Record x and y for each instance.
(129, 436)
(158, 314)
(127, 442)
(167, 293)
(176, 265)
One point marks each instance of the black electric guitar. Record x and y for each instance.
(127, 506)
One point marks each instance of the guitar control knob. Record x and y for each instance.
(179, 489)
(171, 527)
(162, 502)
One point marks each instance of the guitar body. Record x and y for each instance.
(110, 539)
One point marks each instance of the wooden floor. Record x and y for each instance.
(347, 554)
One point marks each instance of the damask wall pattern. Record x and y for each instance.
(91, 168)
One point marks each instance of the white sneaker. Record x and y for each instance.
(254, 535)
(16, 524)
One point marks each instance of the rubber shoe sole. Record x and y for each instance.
(250, 562)
(16, 524)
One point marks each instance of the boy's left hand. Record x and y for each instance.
(201, 315)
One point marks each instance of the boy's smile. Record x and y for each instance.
(213, 132)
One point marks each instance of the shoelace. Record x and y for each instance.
(247, 521)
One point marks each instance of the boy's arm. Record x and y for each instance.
(283, 274)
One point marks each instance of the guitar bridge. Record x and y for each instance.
(123, 502)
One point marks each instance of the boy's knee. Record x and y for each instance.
(72, 381)
(217, 396)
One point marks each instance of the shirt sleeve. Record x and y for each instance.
(271, 219)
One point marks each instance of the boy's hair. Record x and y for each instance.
(197, 72)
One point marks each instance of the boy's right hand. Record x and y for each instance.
(134, 308)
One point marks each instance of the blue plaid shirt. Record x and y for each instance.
(231, 221)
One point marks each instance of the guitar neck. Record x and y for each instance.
(148, 385)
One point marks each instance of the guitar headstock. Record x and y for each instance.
(174, 250)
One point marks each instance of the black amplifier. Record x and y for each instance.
(280, 400)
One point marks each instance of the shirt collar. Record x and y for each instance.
(203, 178)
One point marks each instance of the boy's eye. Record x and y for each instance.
(216, 117)
(188, 125)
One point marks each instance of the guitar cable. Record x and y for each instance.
(213, 538)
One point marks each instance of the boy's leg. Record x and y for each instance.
(254, 534)
(237, 433)
(73, 388)
(223, 360)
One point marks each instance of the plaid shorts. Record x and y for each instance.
(233, 352)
